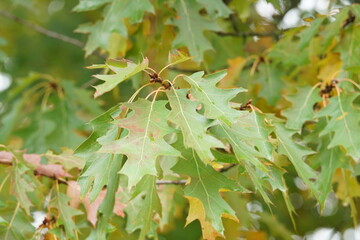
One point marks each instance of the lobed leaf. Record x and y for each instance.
(145, 142)
(302, 108)
(344, 123)
(205, 184)
(296, 154)
(115, 13)
(192, 124)
(65, 213)
(96, 172)
(121, 73)
(191, 27)
(215, 100)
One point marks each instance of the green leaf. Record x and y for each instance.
(215, 8)
(215, 100)
(3, 55)
(65, 213)
(285, 49)
(333, 29)
(96, 173)
(143, 206)
(330, 160)
(22, 184)
(89, 5)
(205, 184)
(302, 108)
(271, 82)
(106, 209)
(100, 125)
(115, 14)
(350, 49)
(248, 136)
(9, 121)
(48, 127)
(192, 124)
(344, 123)
(254, 125)
(122, 72)
(145, 142)
(14, 223)
(309, 33)
(277, 229)
(81, 96)
(242, 139)
(42, 127)
(296, 154)
(177, 58)
(191, 27)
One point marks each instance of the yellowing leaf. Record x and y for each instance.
(205, 184)
(197, 212)
(235, 67)
(253, 235)
(329, 68)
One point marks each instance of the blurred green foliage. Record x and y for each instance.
(306, 80)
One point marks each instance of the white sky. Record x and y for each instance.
(292, 17)
(5, 81)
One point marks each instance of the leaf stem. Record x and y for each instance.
(156, 92)
(177, 76)
(4, 181)
(12, 220)
(45, 98)
(170, 64)
(151, 69)
(137, 92)
(350, 81)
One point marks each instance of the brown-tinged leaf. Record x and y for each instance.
(235, 67)
(73, 191)
(49, 170)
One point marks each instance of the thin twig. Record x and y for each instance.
(250, 34)
(227, 168)
(42, 30)
(172, 182)
(7, 161)
(184, 70)
(158, 182)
